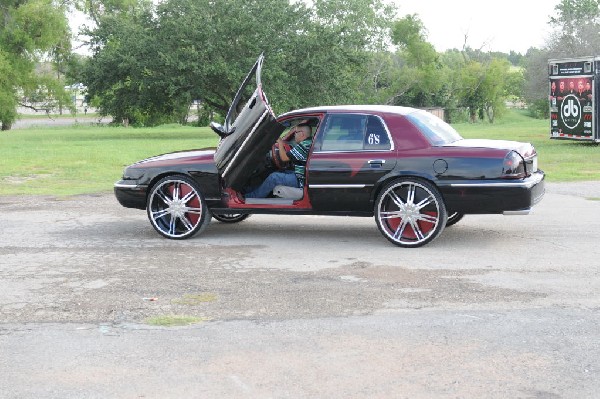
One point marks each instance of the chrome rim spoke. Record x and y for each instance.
(390, 214)
(397, 200)
(176, 191)
(410, 198)
(163, 197)
(427, 201)
(417, 230)
(160, 214)
(428, 218)
(400, 230)
(172, 225)
(195, 211)
(188, 225)
(188, 197)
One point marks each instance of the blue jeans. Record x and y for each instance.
(285, 178)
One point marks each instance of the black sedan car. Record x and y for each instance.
(410, 170)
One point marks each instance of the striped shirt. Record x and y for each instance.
(299, 155)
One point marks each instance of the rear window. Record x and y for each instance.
(436, 130)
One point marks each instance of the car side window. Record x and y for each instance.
(376, 137)
(353, 132)
(344, 132)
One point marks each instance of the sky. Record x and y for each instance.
(500, 25)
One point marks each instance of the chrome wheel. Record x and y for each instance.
(454, 218)
(231, 217)
(176, 208)
(410, 212)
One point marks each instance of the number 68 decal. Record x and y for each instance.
(373, 139)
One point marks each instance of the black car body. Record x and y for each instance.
(404, 166)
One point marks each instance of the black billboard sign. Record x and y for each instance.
(571, 111)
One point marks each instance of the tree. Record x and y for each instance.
(28, 30)
(413, 76)
(96, 9)
(149, 64)
(576, 33)
(535, 87)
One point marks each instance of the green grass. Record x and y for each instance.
(89, 159)
(84, 159)
(174, 320)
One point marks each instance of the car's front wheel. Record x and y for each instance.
(410, 212)
(176, 208)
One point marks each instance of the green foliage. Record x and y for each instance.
(409, 33)
(539, 108)
(460, 81)
(96, 9)
(482, 88)
(572, 15)
(28, 30)
(149, 65)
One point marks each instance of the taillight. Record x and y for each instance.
(513, 166)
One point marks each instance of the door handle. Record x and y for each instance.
(376, 163)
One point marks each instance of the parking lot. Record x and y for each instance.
(299, 306)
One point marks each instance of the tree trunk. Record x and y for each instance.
(490, 114)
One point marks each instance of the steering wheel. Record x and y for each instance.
(276, 160)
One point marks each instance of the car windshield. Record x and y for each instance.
(436, 130)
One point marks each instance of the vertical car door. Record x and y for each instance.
(351, 154)
(247, 134)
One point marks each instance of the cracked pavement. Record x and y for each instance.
(299, 306)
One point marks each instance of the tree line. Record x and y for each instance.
(148, 62)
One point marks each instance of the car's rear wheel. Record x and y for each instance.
(231, 217)
(176, 208)
(410, 212)
(453, 218)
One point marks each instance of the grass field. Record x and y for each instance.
(89, 159)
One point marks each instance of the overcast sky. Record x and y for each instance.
(500, 25)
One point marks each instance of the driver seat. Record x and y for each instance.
(294, 193)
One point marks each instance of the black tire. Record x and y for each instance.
(410, 212)
(231, 217)
(453, 218)
(176, 208)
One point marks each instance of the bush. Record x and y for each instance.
(539, 109)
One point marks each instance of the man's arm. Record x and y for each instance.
(282, 154)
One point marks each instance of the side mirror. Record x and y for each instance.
(218, 129)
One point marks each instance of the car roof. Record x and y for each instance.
(390, 109)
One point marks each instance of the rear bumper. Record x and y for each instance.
(494, 196)
(130, 194)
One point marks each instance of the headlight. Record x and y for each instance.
(132, 173)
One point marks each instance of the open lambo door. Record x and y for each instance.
(248, 132)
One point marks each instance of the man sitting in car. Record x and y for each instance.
(297, 156)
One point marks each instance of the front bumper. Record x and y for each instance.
(495, 196)
(130, 194)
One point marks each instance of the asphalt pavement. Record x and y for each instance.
(299, 306)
